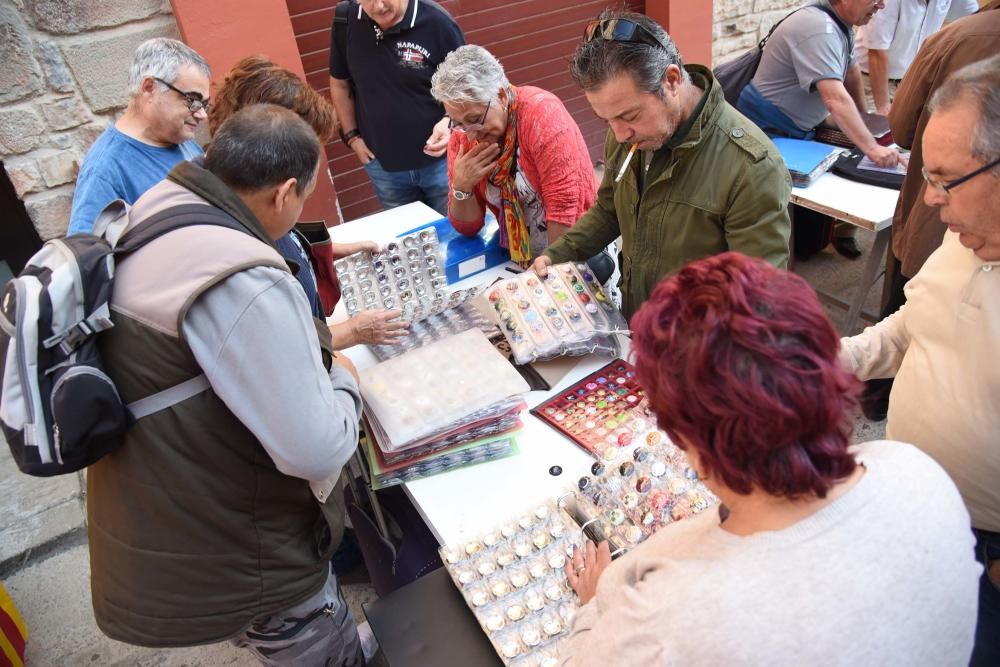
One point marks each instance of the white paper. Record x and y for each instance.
(868, 165)
(470, 266)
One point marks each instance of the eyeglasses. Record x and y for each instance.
(195, 103)
(621, 30)
(944, 189)
(470, 127)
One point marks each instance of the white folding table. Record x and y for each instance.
(463, 503)
(866, 206)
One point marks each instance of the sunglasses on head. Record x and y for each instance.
(621, 30)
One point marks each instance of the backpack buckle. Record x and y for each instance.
(74, 337)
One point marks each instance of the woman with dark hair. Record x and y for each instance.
(821, 553)
(257, 80)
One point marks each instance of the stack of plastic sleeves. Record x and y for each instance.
(441, 406)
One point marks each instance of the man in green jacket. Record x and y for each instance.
(687, 175)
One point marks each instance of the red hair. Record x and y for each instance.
(257, 80)
(739, 361)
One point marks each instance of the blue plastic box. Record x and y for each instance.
(464, 256)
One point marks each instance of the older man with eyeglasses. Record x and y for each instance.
(687, 175)
(942, 345)
(168, 99)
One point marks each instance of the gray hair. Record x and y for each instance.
(160, 58)
(978, 83)
(599, 60)
(470, 73)
(263, 145)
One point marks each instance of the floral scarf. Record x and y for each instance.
(513, 229)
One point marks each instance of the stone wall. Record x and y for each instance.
(739, 24)
(63, 80)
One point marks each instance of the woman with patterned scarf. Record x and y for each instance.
(517, 151)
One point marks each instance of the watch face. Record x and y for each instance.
(460, 196)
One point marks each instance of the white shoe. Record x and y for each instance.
(369, 645)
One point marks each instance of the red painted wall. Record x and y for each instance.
(689, 23)
(224, 31)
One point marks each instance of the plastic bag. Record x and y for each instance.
(566, 313)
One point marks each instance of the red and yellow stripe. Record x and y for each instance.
(13, 632)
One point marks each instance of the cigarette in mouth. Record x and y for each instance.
(625, 164)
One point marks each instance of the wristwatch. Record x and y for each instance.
(461, 196)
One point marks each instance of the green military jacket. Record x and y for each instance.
(719, 184)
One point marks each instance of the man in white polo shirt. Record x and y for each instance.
(887, 45)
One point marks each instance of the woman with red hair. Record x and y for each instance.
(821, 553)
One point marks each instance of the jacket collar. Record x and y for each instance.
(705, 112)
(193, 176)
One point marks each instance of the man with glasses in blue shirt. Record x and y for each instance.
(941, 345)
(168, 99)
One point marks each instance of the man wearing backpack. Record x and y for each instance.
(808, 76)
(215, 519)
(168, 98)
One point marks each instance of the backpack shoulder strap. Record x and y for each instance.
(829, 12)
(836, 19)
(340, 27)
(173, 218)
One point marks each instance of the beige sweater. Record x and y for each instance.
(884, 575)
(943, 347)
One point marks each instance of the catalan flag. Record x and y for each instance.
(13, 632)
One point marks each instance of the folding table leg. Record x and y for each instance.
(875, 259)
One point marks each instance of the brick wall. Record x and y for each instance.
(63, 80)
(739, 24)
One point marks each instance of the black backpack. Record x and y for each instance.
(735, 74)
(59, 410)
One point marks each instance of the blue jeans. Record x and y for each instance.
(987, 651)
(428, 184)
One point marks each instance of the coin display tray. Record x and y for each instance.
(640, 481)
(636, 489)
(594, 413)
(514, 581)
(513, 578)
(407, 275)
(554, 316)
(440, 325)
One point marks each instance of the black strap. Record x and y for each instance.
(340, 27)
(829, 12)
(173, 218)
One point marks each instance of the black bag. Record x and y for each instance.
(410, 550)
(847, 166)
(812, 231)
(339, 30)
(734, 75)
